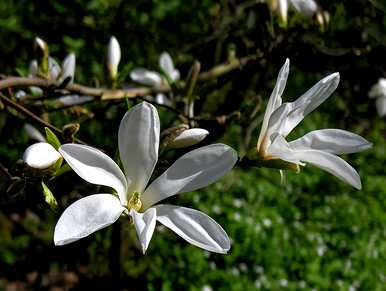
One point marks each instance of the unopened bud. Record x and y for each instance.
(42, 53)
(188, 137)
(41, 155)
(113, 58)
(68, 68)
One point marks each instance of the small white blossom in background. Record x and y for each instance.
(283, 282)
(138, 143)
(33, 133)
(378, 91)
(154, 79)
(319, 147)
(41, 155)
(69, 100)
(307, 8)
(113, 57)
(267, 222)
(206, 288)
(68, 68)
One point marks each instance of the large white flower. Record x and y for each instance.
(318, 147)
(138, 138)
(378, 91)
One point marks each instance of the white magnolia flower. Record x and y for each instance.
(305, 7)
(41, 155)
(188, 137)
(68, 68)
(138, 139)
(379, 91)
(113, 57)
(318, 147)
(155, 79)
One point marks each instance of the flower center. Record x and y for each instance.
(135, 202)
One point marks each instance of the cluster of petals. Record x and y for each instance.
(305, 7)
(318, 147)
(138, 140)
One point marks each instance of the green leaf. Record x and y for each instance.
(49, 197)
(52, 139)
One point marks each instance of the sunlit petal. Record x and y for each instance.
(195, 227)
(41, 155)
(86, 216)
(144, 225)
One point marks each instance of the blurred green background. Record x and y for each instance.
(311, 233)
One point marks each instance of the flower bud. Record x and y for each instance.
(113, 58)
(188, 137)
(41, 155)
(42, 54)
(68, 68)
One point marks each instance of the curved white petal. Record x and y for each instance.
(33, 133)
(113, 56)
(192, 171)
(146, 77)
(68, 68)
(166, 63)
(334, 141)
(306, 103)
(95, 167)
(379, 89)
(41, 155)
(380, 104)
(332, 164)
(69, 100)
(53, 68)
(138, 139)
(305, 7)
(144, 225)
(195, 227)
(162, 99)
(279, 149)
(188, 137)
(274, 100)
(86, 216)
(282, 9)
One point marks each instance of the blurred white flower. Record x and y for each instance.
(138, 139)
(305, 7)
(318, 147)
(33, 133)
(206, 288)
(68, 68)
(41, 155)
(155, 79)
(188, 137)
(378, 91)
(113, 57)
(69, 100)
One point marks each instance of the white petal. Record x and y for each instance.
(280, 149)
(146, 77)
(95, 167)
(380, 104)
(332, 164)
(33, 133)
(86, 216)
(274, 100)
(305, 7)
(282, 9)
(53, 68)
(33, 68)
(188, 137)
(161, 98)
(379, 89)
(334, 141)
(68, 68)
(166, 63)
(113, 56)
(41, 155)
(192, 171)
(144, 225)
(306, 103)
(195, 227)
(69, 100)
(138, 139)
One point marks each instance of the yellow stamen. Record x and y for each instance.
(135, 202)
